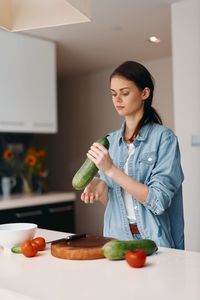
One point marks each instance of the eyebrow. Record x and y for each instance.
(120, 89)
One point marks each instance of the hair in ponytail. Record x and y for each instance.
(137, 73)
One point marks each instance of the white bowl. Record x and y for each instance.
(14, 234)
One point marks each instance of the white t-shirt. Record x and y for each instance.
(127, 197)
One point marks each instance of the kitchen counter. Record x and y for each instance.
(20, 200)
(169, 274)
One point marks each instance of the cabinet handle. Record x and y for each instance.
(29, 213)
(43, 124)
(11, 123)
(54, 210)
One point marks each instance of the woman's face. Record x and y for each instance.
(127, 98)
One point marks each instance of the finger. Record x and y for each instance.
(100, 147)
(91, 157)
(94, 153)
(92, 198)
(97, 196)
(83, 196)
(86, 198)
(86, 190)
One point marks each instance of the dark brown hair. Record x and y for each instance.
(137, 73)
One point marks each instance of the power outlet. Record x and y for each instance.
(195, 140)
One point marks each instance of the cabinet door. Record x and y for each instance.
(34, 214)
(27, 84)
(60, 217)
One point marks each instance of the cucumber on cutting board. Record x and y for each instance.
(88, 170)
(116, 249)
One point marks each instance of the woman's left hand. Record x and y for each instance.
(99, 155)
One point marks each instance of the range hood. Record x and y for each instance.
(20, 15)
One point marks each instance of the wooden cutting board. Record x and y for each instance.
(89, 247)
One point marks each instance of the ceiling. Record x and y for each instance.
(118, 31)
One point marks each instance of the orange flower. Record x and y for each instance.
(30, 160)
(8, 154)
(27, 163)
(42, 173)
(32, 150)
(41, 153)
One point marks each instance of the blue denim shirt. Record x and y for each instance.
(156, 163)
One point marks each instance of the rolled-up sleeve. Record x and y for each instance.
(166, 177)
(105, 178)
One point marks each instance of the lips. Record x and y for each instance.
(119, 107)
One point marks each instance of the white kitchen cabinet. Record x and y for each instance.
(27, 84)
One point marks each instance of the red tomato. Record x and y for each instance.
(29, 249)
(136, 258)
(39, 242)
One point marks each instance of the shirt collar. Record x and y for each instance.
(142, 135)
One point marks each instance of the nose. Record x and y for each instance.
(118, 98)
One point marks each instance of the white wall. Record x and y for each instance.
(161, 70)
(186, 82)
(85, 114)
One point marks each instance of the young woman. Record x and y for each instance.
(140, 176)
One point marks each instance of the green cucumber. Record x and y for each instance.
(116, 249)
(88, 170)
(16, 249)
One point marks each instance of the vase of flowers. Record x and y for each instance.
(26, 186)
(26, 165)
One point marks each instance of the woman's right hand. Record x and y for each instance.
(96, 190)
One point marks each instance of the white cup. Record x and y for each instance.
(7, 183)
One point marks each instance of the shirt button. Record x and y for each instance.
(150, 159)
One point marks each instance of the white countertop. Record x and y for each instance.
(169, 274)
(21, 200)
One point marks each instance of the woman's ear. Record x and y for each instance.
(145, 93)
